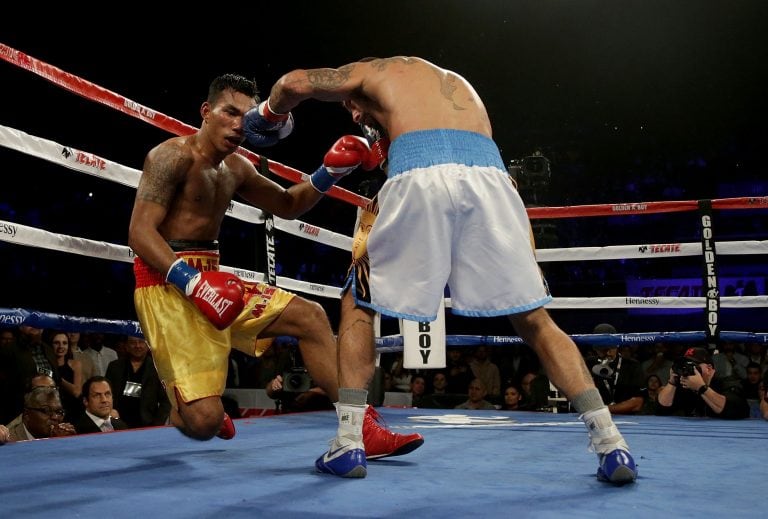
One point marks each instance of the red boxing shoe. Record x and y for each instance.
(227, 431)
(380, 442)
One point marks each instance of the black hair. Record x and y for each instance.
(232, 82)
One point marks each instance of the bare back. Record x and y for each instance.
(406, 94)
(401, 94)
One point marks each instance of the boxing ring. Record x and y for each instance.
(474, 464)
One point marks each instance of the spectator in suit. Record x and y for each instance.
(36, 381)
(43, 417)
(138, 393)
(98, 416)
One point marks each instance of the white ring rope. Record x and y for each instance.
(88, 163)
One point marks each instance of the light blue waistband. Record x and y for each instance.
(424, 148)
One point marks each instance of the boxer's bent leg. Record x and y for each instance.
(307, 321)
(191, 357)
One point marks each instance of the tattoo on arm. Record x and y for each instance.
(328, 79)
(161, 176)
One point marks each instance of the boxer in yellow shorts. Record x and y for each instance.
(201, 371)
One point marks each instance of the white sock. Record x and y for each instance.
(603, 433)
(350, 421)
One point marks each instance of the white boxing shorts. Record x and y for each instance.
(449, 215)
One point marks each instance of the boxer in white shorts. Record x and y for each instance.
(470, 232)
(448, 216)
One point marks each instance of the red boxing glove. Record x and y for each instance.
(218, 295)
(345, 155)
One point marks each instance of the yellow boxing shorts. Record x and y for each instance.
(190, 354)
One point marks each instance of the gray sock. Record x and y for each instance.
(587, 401)
(353, 396)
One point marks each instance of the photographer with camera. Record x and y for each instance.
(693, 390)
(294, 391)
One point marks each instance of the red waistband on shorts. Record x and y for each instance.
(147, 276)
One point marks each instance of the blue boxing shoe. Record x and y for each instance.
(617, 467)
(345, 458)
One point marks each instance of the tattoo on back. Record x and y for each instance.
(448, 87)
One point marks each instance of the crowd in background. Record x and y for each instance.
(55, 383)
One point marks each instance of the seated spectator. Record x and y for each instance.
(758, 352)
(5, 434)
(477, 394)
(764, 396)
(22, 361)
(535, 392)
(139, 395)
(512, 399)
(457, 371)
(619, 381)
(70, 373)
(730, 364)
(694, 390)
(418, 390)
(93, 346)
(651, 394)
(85, 361)
(43, 417)
(98, 415)
(40, 380)
(486, 370)
(751, 384)
(658, 364)
(401, 377)
(440, 398)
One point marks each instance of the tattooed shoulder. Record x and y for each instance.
(164, 169)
